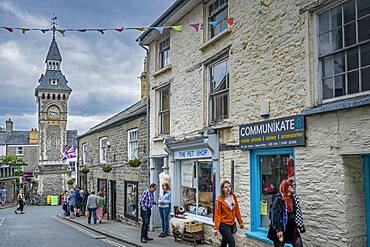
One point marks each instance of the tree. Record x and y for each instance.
(2, 129)
(14, 161)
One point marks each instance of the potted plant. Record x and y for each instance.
(107, 168)
(70, 181)
(85, 170)
(134, 163)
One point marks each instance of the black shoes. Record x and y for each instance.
(143, 240)
(15, 212)
(148, 239)
(163, 235)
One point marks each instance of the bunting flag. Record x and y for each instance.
(178, 28)
(264, 4)
(196, 26)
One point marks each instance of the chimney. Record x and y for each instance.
(34, 137)
(144, 82)
(9, 126)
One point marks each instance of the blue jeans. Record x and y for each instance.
(164, 213)
(145, 215)
(93, 212)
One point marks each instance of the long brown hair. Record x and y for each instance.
(283, 188)
(222, 187)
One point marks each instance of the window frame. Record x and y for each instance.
(164, 61)
(212, 118)
(127, 215)
(317, 58)
(84, 153)
(19, 151)
(208, 17)
(161, 112)
(256, 231)
(130, 142)
(103, 150)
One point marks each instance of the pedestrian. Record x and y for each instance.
(65, 203)
(164, 204)
(78, 201)
(71, 203)
(91, 206)
(227, 210)
(101, 205)
(2, 203)
(20, 199)
(146, 203)
(286, 217)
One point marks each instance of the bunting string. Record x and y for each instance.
(160, 29)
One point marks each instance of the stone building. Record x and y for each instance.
(282, 92)
(118, 141)
(52, 95)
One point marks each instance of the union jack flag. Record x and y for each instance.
(70, 153)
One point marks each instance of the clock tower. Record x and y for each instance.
(52, 95)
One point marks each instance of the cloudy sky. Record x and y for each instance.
(102, 70)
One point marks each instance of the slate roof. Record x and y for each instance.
(133, 111)
(53, 53)
(15, 138)
(45, 83)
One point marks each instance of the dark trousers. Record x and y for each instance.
(92, 211)
(145, 215)
(20, 206)
(164, 213)
(297, 243)
(227, 235)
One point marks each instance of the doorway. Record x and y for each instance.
(113, 196)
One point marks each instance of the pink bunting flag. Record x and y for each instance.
(9, 29)
(119, 29)
(230, 21)
(196, 26)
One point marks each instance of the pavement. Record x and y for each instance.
(128, 234)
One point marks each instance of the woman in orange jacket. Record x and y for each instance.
(227, 209)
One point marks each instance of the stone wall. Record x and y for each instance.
(29, 156)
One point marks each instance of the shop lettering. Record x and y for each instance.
(265, 128)
(203, 152)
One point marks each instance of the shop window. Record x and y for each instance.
(131, 200)
(164, 53)
(84, 153)
(132, 144)
(217, 11)
(164, 110)
(344, 49)
(19, 151)
(103, 150)
(219, 93)
(197, 190)
(268, 168)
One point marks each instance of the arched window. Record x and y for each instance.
(58, 96)
(48, 97)
(64, 96)
(53, 65)
(53, 96)
(43, 96)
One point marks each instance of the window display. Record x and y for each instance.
(131, 199)
(197, 190)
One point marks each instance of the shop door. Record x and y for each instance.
(367, 195)
(156, 219)
(113, 209)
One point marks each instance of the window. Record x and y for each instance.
(84, 153)
(132, 144)
(219, 93)
(197, 187)
(103, 150)
(19, 151)
(164, 111)
(72, 165)
(54, 82)
(164, 53)
(131, 199)
(217, 11)
(2, 150)
(268, 168)
(344, 49)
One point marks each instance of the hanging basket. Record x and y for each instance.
(134, 163)
(107, 168)
(85, 170)
(70, 181)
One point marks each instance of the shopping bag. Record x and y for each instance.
(87, 214)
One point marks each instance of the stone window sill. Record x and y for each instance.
(215, 39)
(225, 124)
(163, 70)
(158, 138)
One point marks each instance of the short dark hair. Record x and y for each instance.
(152, 185)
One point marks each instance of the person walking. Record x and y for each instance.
(164, 204)
(91, 206)
(227, 209)
(101, 205)
(2, 203)
(65, 203)
(71, 203)
(78, 199)
(84, 195)
(146, 203)
(20, 199)
(286, 217)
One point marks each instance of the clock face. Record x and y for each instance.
(53, 112)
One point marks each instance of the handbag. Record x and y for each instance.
(87, 214)
(234, 229)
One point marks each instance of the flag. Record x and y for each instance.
(159, 29)
(119, 29)
(230, 21)
(213, 23)
(196, 26)
(9, 29)
(177, 28)
(70, 153)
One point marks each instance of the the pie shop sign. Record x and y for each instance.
(282, 132)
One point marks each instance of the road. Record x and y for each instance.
(40, 227)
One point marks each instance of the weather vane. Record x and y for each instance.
(54, 23)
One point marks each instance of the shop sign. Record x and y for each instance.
(281, 132)
(193, 154)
